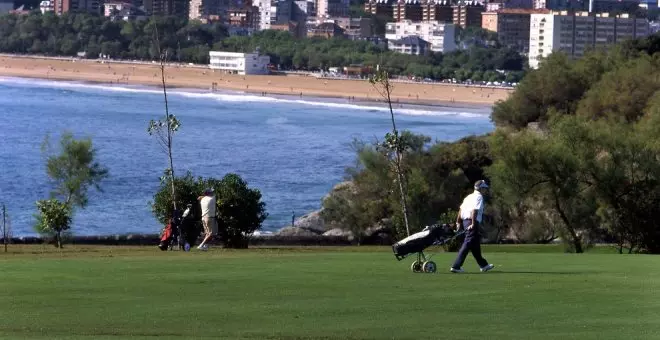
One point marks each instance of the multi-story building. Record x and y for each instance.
(649, 4)
(281, 11)
(264, 14)
(195, 10)
(468, 13)
(353, 28)
(246, 17)
(407, 10)
(112, 7)
(439, 35)
(610, 6)
(332, 8)
(593, 6)
(325, 30)
(437, 10)
(64, 6)
(239, 63)
(202, 9)
(278, 12)
(409, 45)
(46, 6)
(379, 7)
(464, 13)
(302, 9)
(167, 7)
(512, 26)
(297, 29)
(575, 34)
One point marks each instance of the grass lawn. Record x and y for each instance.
(89, 292)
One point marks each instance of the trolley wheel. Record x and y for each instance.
(429, 267)
(416, 267)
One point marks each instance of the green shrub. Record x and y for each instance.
(239, 210)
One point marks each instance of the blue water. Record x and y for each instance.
(294, 151)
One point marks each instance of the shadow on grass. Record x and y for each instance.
(524, 272)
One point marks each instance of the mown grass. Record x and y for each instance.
(535, 292)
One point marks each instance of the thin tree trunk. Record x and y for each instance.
(404, 204)
(569, 226)
(169, 132)
(4, 227)
(167, 119)
(58, 239)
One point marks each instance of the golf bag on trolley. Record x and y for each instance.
(181, 231)
(416, 243)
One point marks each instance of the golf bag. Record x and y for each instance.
(191, 227)
(169, 236)
(181, 230)
(416, 243)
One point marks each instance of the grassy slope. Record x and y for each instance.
(324, 293)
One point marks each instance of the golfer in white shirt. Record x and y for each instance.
(471, 214)
(209, 221)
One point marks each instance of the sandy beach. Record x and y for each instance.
(203, 78)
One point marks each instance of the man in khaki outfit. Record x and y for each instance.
(209, 221)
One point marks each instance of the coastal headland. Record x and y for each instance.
(199, 77)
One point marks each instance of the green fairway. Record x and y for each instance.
(324, 293)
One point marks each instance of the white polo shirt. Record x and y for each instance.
(473, 201)
(208, 206)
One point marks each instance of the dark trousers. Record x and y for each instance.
(472, 243)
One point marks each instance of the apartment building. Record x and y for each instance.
(407, 10)
(325, 30)
(167, 7)
(199, 9)
(439, 35)
(593, 6)
(497, 5)
(354, 28)
(302, 9)
(239, 63)
(110, 7)
(409, 45)
(468, 13)
(438, 10)
(64, 6)
(575, 34)
(512, 26)
(245, 17)
(332, 8)
(277, 12)
(379, 7)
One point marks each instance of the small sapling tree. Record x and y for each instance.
(165, 129)
(393, 142)
(6, 227)
(72, 172)
(53, 217)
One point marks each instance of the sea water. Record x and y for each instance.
(294, 150)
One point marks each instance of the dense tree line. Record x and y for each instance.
(68, 34)
(587, 171)
(585, 86)
(476, 63)
(591, 167)
(184, 41)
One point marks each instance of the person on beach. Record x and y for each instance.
(470, 217)
(209, 220)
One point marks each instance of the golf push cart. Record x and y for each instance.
(416, 243)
